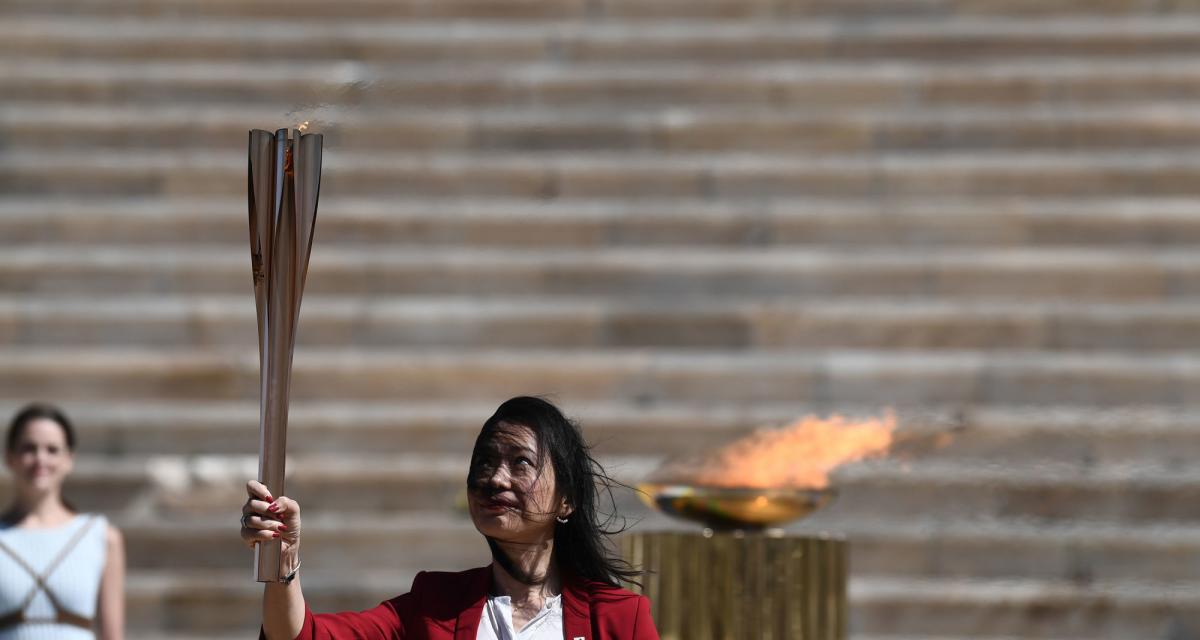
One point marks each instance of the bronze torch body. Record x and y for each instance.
(284, 182)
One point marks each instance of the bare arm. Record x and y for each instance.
(111, 606)
(269, 518)
(283, 610)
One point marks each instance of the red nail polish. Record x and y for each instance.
(283, 527)
(273, 508)
(275, 534)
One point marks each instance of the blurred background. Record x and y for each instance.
(681, 219)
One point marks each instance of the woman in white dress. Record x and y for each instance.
(61, 572)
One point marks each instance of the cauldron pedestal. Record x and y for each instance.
(762, 585)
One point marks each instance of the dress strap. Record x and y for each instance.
(68, 548)
(39, 580)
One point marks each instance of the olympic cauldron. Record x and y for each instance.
(741, 576)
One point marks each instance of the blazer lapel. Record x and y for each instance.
(577, 611)
(475, 595)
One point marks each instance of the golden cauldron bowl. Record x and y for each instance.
(731, 508)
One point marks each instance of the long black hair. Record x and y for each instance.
(581, 544)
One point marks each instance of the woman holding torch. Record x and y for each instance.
(533, 488)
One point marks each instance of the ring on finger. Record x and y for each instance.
(245, 517)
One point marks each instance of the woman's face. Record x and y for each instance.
(40, 459)
(511, 497)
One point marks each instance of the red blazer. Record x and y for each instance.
(449, 606)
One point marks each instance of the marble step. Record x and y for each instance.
(1087, 437)
(600, 223)
(39, 127)
(1023, 608)
(353, 541)
(676, 274)
(523, 10)
(196, 172)
(810, 85)
(168, 37)
(228, 602)
(178, 488)
(1082, 553)
(645, 376)
(581, 323)
(883, 635)
(152, 634)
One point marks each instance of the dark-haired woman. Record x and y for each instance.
(61, 572)
(532, 488)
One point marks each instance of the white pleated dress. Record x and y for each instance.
(74, 583)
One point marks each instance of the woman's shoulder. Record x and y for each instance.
(604, 594)
(75, 524)
(437, 580)
(442, 594)
(100, 526)
(99, 522)
(615, 611)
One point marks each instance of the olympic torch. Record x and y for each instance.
(284, 182)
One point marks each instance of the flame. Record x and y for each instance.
(302, 127)
(799, 455)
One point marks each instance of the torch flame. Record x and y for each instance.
(303, 127)
(799, 455)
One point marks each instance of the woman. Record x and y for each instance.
(61, 573)
(532, 488)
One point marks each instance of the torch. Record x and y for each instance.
(283, 184)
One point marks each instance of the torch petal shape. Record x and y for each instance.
(262, 180)
(283, 188)
(307, 160)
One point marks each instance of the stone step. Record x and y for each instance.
(677, 274)
(386, 40)
(1082, 553)
(1043, 492)
(229, 602)
(647, 376)
(39, 127)
(883, 635)
(156, 634)
(117, 172)
(523, 10)
(593, 224)
(1086, 437)
(1026, 609)
(575, 323)
(179, 488)
(351, 541)
(808, 85)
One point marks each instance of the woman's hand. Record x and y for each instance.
(265, 518)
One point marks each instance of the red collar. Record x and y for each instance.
(576, 606)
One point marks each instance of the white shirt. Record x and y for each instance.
(497, 621)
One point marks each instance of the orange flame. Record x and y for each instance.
(799, 455)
